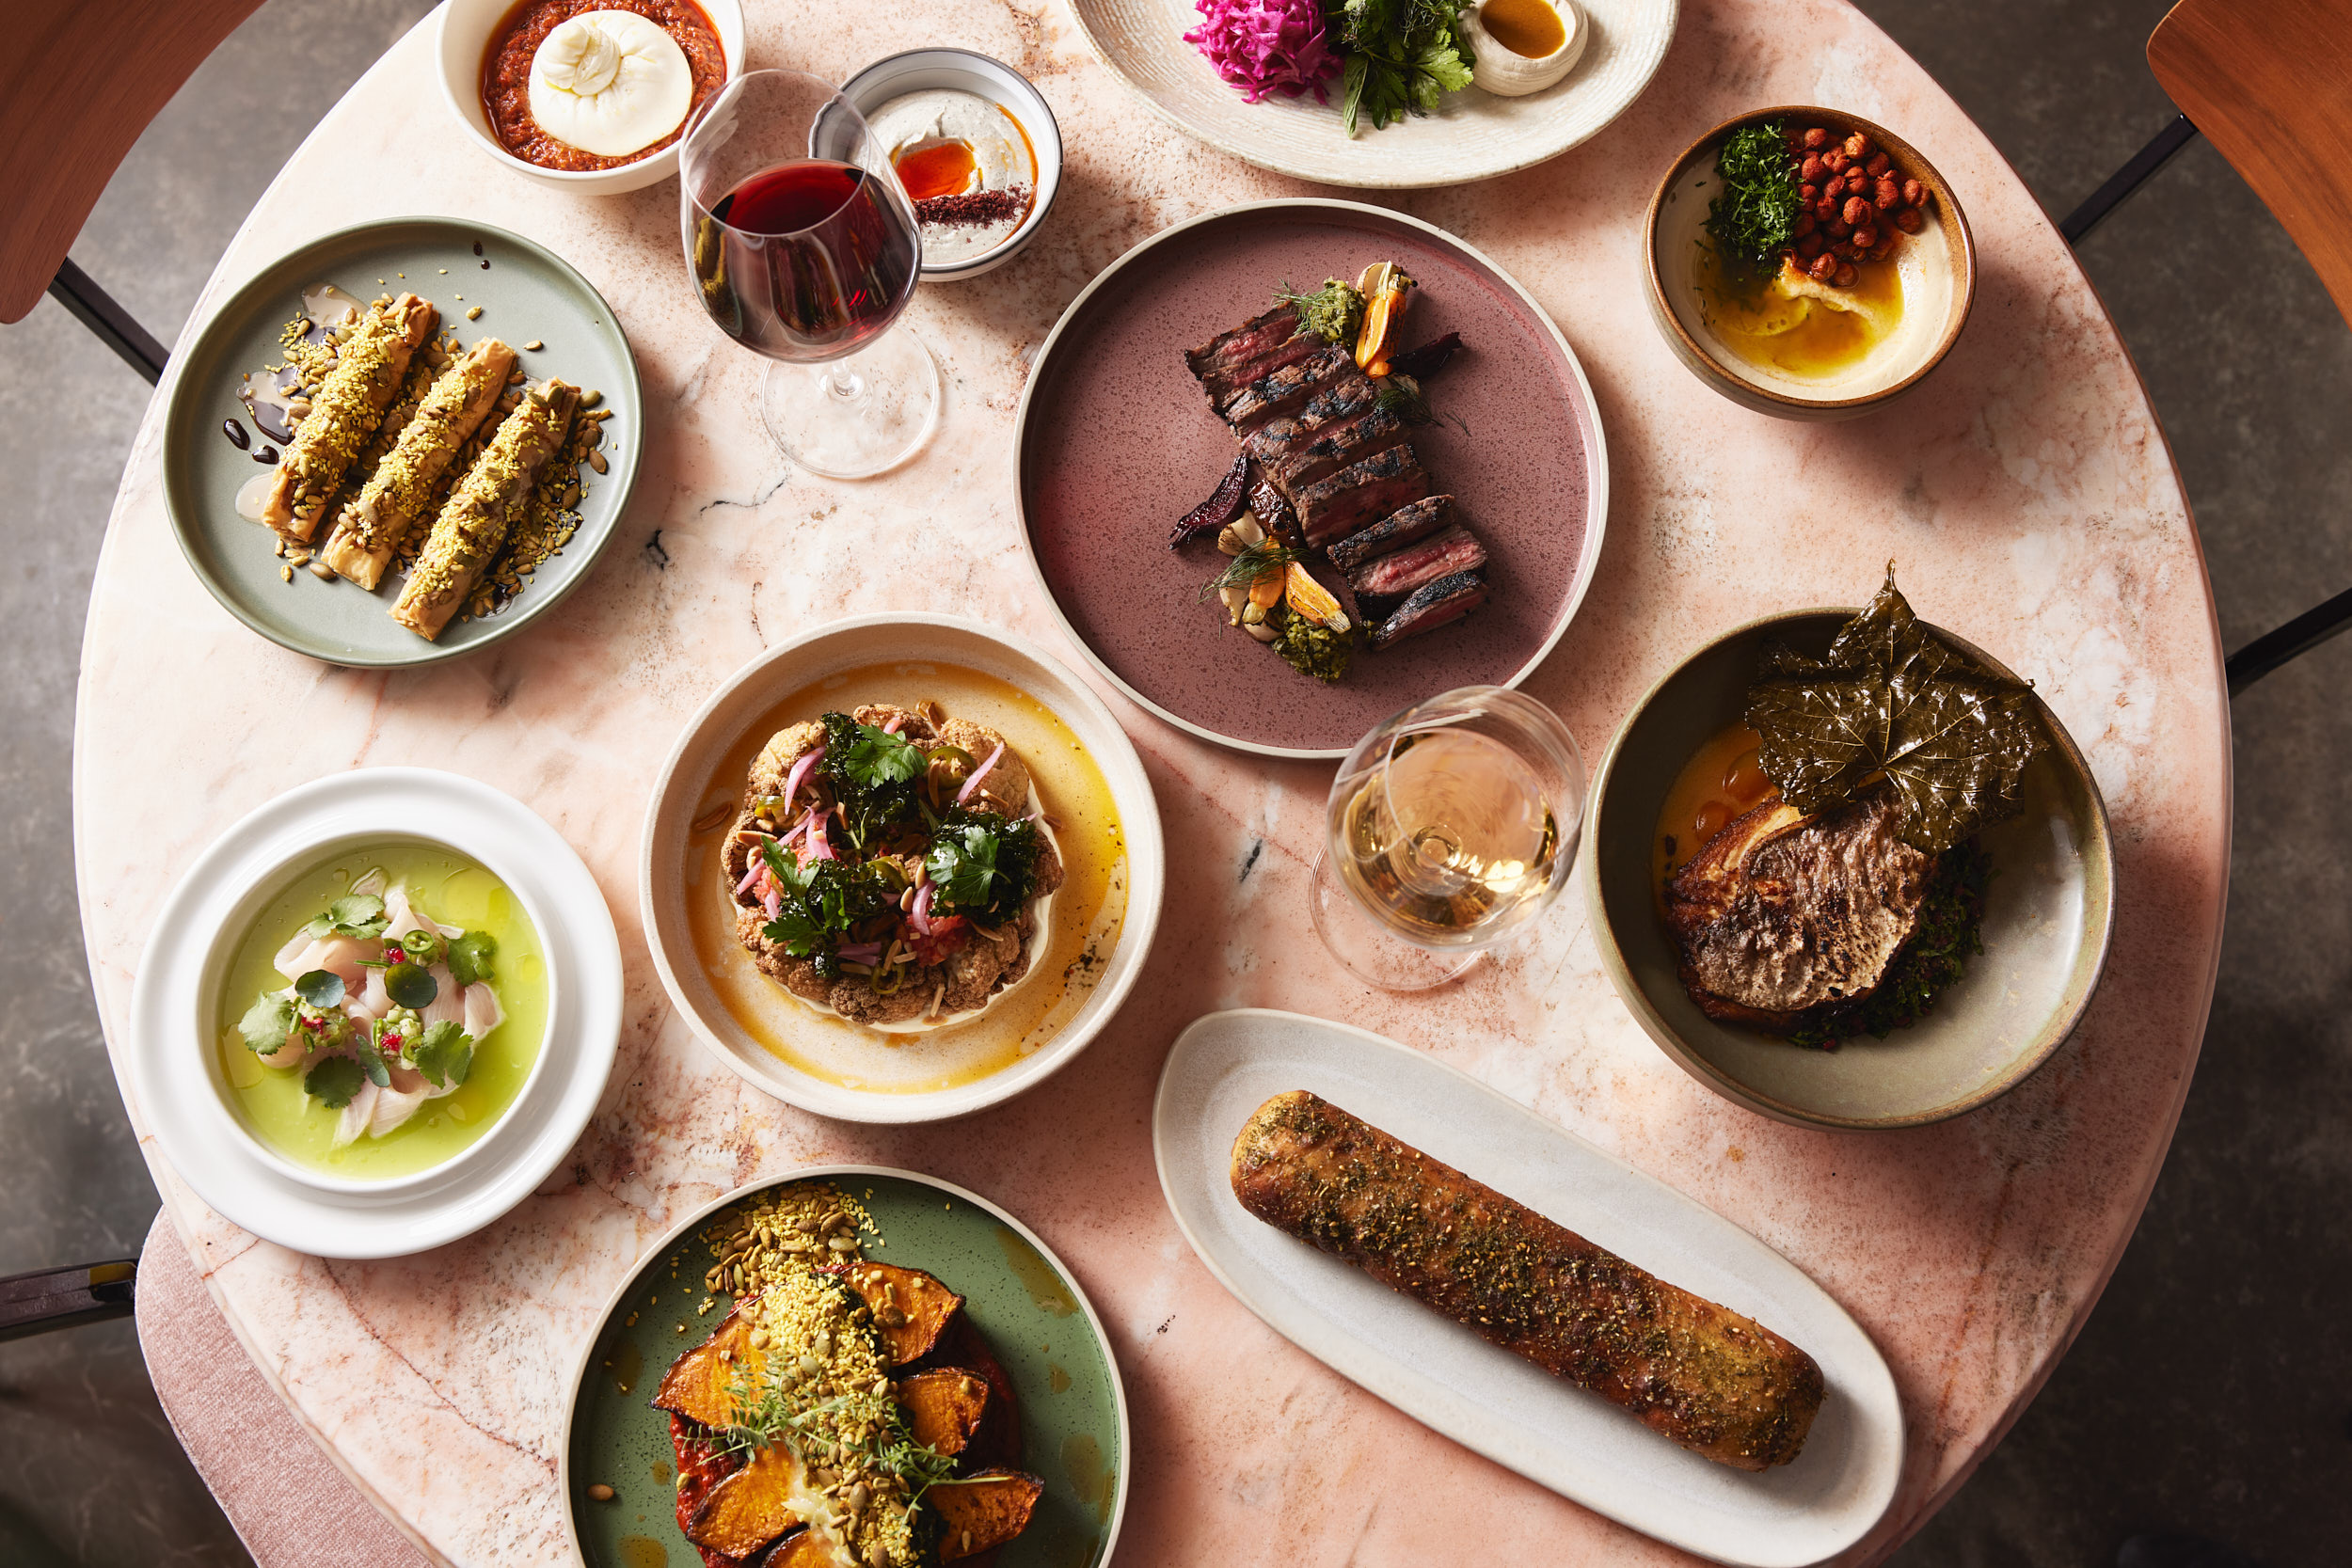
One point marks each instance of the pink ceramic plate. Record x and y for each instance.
(1116, 442)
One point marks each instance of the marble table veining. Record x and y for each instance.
(2025, 489)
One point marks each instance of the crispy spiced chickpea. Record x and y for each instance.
(1804, 225)
(1808, 194)
(1846, 274)
(1858, 147)
(1884, 249)
(1865, 236)
(1911, 220)
(1825, 267)
(1915, 194)
(1886, 195)
(1816, 139)
(1857, 212)
(1834, 160)
(1878, 166)
(1810, 170)
(1808, 246)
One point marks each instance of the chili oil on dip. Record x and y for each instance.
(967, 164)
(1088, 911)
(582, 85)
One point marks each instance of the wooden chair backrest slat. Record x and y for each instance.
(2270, 83)
(78, 83)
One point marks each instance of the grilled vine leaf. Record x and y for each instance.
(1951, 737)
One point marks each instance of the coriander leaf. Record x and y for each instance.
(984, 863)
(1951, 736)
(1352, 80)
(872, 774)
(321, 987)
(469, 956)
(355, 915)
(878, 758)
(411, 986)
(267, 1022)
(333, 1081)
(445, 1056)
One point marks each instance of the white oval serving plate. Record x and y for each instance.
(1473, 136)
(175, 1073)
(690, 780)
(1227, 1065)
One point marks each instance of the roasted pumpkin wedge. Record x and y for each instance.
(803, 1549)
(911, 1308)
(945, 1407)
(700, 1385)
(752, 1507)
(985, 1511)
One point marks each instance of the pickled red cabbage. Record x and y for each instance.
(1267, 47)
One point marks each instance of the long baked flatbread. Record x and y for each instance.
(1720, 1385)
(344, 411)
(373, 523)
(473, 524)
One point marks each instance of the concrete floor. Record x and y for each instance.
(2211, 1391)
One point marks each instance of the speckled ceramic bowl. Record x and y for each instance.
(1939, 272)
(1037, 1320)
(461, 42)
(964, 70)
(2046, 923)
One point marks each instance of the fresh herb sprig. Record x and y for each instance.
(985, 864)
(823, 900)
(1400, 58)
(1249, 566)
(872, 773)
(1755, 217)
(767, 1413)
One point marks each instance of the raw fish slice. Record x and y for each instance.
(483, 1012)
(339, 955)
(449, 1002)
(393, 1107)
(372, 882)
(354, 1117)
(374, 1001)
(287, 961)
(406, 917)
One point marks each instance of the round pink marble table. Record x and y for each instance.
(2027, 489)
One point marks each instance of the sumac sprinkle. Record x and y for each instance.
(971, 207)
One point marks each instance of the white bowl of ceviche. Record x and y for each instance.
(900, 868)
(376, 1013)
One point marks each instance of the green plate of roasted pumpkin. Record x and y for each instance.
(847, 1366)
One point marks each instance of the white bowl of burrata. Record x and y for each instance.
(592, 100)
(976, 147)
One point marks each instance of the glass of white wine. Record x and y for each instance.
(1451, 827)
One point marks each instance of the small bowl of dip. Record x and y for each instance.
(1782, 342)
(976, 147)
(590, 95)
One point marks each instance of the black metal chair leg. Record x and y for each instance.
(61, 1298)
(2107, 198)
(95, 308)
(2294, 640)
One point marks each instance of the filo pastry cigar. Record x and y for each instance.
(346, 410)
(373, 523)
(1718, 1383)
(474, 522)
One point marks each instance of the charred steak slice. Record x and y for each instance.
(1781, 912)
(1388, 578)
(1251, 340)
(1432, 605)
(1294, 458)
(1401, 527)
(1287, 389)
(1221, 385)
(1336, 507)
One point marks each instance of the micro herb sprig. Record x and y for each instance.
(1755, 217)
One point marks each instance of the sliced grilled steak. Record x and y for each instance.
(1780, 911)
(1251, 340)
(1287, 389)
(1432, 605)
(1401, 527)
(1299, 346)
(1294, 457)
(1336, 507)
(1342, 399)
(1387, 578)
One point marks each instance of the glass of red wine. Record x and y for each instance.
(803, 248)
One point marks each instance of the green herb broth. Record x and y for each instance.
(450, 888)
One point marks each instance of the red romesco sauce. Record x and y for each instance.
(506, 73)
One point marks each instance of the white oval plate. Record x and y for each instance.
(175, 1073)
(688, 778)
(1227, 1065)
(1473, 136)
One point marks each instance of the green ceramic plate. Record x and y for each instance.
(526, 292)
(1074, 1410)
(2047, 917)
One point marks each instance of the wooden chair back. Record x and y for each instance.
(79, 81)
(2270, 83)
